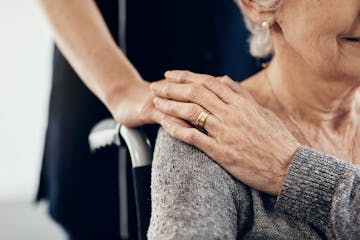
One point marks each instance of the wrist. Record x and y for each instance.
(289, 151)
(118, 96)
(120, 90)
(289, 154)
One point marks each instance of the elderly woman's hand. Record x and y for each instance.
(247, 140)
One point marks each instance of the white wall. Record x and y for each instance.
(25, 61)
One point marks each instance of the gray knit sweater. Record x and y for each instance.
(194, 198)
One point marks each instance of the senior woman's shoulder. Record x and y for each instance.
(189, 193)
(171, 153)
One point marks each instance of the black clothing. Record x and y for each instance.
(204, 36)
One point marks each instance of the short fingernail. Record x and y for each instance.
(155, 87)
(165, 124)
(159, 104)
(171, 74)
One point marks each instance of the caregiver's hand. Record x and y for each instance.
(133, 106)
(247, 140)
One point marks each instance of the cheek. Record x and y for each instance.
(311, 33)
(315, 43)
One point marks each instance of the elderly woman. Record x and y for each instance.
(311, 84)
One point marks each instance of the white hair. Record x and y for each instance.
(260, 40)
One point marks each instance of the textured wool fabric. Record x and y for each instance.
(323, 191)
(194, 198)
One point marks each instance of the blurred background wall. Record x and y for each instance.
(25, 71)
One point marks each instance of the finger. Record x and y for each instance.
(195, 93)
(184, 76)
(158, 116)
(191, 136)
(234, 86)
(210, 82)
(187, 111)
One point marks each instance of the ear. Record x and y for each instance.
(256, 12)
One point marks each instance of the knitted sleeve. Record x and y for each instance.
(323, 191)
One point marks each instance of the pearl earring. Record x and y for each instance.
(265, 25)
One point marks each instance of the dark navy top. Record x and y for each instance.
(204, 36)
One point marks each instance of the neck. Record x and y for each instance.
(313, 98)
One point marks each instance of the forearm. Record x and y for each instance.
(83, 37)
(323, 191)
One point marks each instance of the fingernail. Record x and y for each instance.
(159, 104)
(171, 74)
(165, 124)
(155, 87)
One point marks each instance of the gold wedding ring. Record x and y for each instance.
(200, 121)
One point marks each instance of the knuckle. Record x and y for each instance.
(211, 82)
(184, 75)
(225, 78)
(183, 112)
(170, 108)
(190, 137)
(174, 132)
(182, 80)
(193, 112)
(194, 92)
(166, 90)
